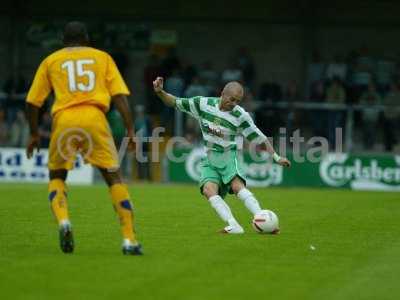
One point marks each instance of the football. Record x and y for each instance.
(266, 221)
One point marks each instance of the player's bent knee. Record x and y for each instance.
(236, 186)
(210, 189)
(111, 177)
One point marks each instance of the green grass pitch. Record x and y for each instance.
(356, 236)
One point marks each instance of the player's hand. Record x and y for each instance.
(158, 84)
(131, 144)
(284, 162)
(34, 142)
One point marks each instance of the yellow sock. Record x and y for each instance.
(123, 207)
(58, 199)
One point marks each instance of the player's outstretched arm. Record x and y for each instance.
(283, 161)
(32, 114)
(158, 86)
(267, 146)
(121, 103)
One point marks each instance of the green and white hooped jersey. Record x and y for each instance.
(220, 128)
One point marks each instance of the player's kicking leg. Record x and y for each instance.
(58, 204)
(123, 207)
(247, 197)
(210, 191)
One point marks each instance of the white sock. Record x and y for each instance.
(249, 200)
(223, 210)
(65, 222)
(128, 242)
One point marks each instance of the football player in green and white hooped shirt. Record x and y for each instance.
(221, 120)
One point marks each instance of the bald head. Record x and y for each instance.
(233, 88)
(75, 34)
(231, 95)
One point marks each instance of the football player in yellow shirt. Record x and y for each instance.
(84, 81)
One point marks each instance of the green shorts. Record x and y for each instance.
(221, 168)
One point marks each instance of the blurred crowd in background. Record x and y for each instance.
(342, 80)
(356, 78)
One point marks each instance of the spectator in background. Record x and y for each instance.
(361, 79)
(175, 85)
(3, 129)
(318, 117)
(315, 71)
(391, 117)
(15, 89)
(292, 92)
(208, 72)
(45, 130)
(248, 103)
(362, 73)
(189, 72)
(396, 77)
(191, 140)
(246, 65)
(143, 130)
(116, 125)
(121, 60)
(365, 59)
(292, 95)
(118, 131)
(335, 94)
(16, 85)
(210, 77)
(196, 88)
(3, 99)
(151, 71)
(384, 72)
(351, 92)
(336, 68)
(318, 92)
(370, 115)
(19, 131)
(192, 133)
(270, 92)
(267, 118)
(170, 63)
(231, 73)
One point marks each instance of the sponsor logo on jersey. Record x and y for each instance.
(213, 131)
